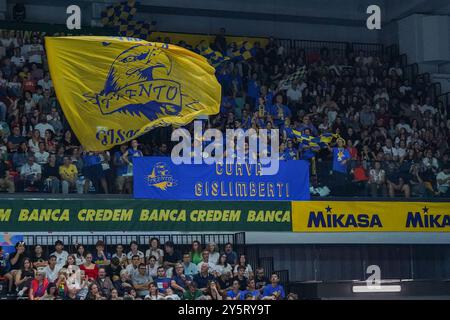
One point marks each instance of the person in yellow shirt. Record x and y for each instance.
(69, 174)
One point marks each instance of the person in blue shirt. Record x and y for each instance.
(123, 180)
(253, 90)
(306, 124)
(100, 257)
(234, 293)
(246, 120)
(202, 278)
(279, 111)
(225, 79)
(307, 151)
(236, 80)
(228, 103)
(267, 95)
(162, 281)
(231, 255)
(179, 279)
(274, 290)
(250, 291)
(290, 152)
(190, 269)
(93, 171)
(341, 158)
(133, 151)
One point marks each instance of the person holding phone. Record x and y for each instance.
(24, 276)
(16, 260)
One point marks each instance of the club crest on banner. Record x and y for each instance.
(160, 177)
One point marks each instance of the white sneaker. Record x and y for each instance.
(21, 292)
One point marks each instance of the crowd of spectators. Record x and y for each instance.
(161, 272)
(394, 133)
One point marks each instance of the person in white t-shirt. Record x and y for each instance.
(52, 269)
(427, 107)
(42, 126)
(132, 268)
(205, 260)
(46, 83)
(443, 181)
(18, 59)
(294, 93)
(60, 254)
(154, 250)
(135, 251)
(120, 255)
(152, 266)
(30, 174)
(214, 254)
(405, 87)
(41, 156)
(222, 265)
(248, 273)
(430, 162)
(389, 149)
(377, 180)
(35, 51)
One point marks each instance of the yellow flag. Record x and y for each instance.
(115, 89)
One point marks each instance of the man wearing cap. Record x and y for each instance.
(60, 254)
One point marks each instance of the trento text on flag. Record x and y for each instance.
(114, 89)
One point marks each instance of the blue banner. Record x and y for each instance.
(160, 178)
(8, 241)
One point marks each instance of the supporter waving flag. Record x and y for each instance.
(321, 141)
(113, 90)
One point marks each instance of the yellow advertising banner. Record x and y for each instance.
(370, 216)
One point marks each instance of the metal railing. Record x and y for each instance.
(392, 51)
(181, 241)
(268, 264)
(403, 59)
(315, 46)
(283, 275)
(410, 72)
